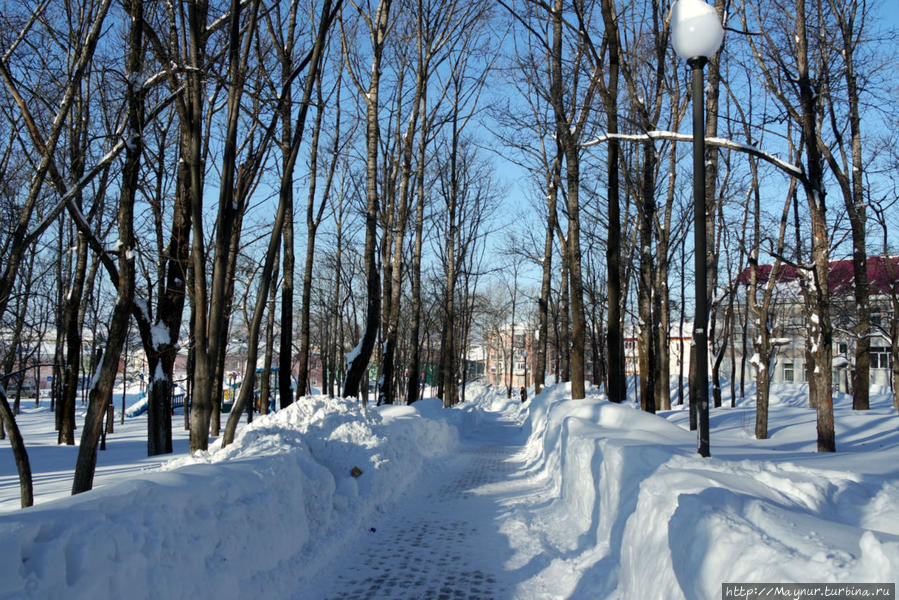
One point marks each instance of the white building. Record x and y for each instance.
(790, 328)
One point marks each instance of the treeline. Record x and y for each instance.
(797, 163)
(162, 164)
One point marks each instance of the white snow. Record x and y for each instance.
(160, 335)
(556, 498)
(143, 306)
(352, 354)
(712, 141)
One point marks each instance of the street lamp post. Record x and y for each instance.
(696, 34)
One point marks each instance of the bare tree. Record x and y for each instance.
(101, 389)
(765, 342)
(378, 25)
(846, 162)
(314, 218)
(786, 46)
(315, 61)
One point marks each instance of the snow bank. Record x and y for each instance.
(138, 408)
(636, 513)
(224, 523)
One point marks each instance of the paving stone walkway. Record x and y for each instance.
(443, 541)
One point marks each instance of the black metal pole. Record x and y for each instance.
(701, 317)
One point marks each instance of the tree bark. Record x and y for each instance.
(358, 364)
(615, 339)
(201, 382)
(413, 392)
(552, 192)
(20, 454)
(101, 389)
(646, 334)
(265, 390)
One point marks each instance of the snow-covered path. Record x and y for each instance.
(443, 541)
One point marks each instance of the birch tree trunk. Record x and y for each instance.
(357, 364)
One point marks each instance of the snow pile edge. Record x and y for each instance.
(637, 514)
(226, 522)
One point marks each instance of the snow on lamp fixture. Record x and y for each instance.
(696, 30)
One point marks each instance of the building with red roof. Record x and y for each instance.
(789, 322)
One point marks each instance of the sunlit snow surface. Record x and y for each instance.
(551, 499)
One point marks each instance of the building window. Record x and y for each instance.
(880, 358)
(788, 372)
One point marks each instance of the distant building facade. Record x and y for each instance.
(510, 352)
(790, 325)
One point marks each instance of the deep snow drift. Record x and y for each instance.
(229, 523)
(636, 513)
(623, 507)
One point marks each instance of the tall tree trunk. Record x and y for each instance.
(357, 366)
(573, 244)
(101, 390)
(820, 330)
(387, 391)
(285, 195)
(663, 309)
(161, 351)
(448, 351)
(62, 265)
(852, 188)
(20, 455)
(564, 338)
(552, 193)
(568, 133)
(646, 334)
(312, 223)
(72, 371)
(511, 370)
(680, 333)
(663, 321)
(201, 382)
(265, 390)
(413, 392)
(337, 310)
(615, 339)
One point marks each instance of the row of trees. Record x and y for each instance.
(790, 90)
(125, 120)
(157, 157)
